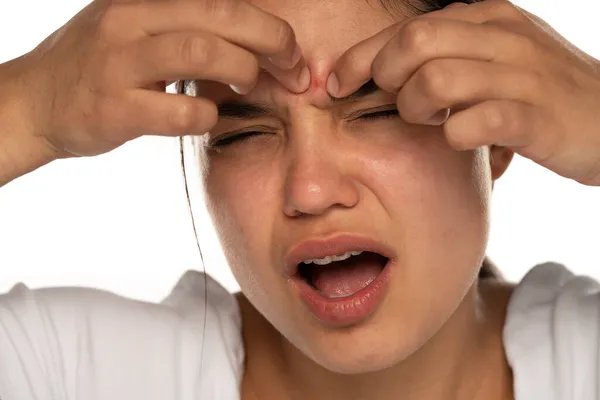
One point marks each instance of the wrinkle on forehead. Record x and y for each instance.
(325, 29)
(330, 26)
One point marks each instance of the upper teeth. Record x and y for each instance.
(330, 259)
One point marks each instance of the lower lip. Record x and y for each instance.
(344, 311)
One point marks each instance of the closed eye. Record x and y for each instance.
(382, 114)
(237, 137)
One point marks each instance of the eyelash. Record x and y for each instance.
(381, 114)
(377, 115)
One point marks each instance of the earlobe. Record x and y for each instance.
(500, 158)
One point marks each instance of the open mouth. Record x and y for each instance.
(342, 275)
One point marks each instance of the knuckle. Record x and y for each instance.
(219, 9)
(505, 7)
(532, 84)
(182, 117)
(524, 45)
(355, 64)
(419, 35)
(495, 118)
(196, 50)
(283, 37)
(111, 21)
(435, 79)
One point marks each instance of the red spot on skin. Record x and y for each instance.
(315, 83)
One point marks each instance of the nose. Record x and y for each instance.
(317, 183)
(318, 177)
(317, 91)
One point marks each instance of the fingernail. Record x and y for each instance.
(439, 118)
(304, 79)
(333, 84)
(239, 90)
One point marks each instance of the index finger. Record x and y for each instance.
(234, 20)
(353, 68)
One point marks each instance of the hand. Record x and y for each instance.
(509, 79)
(96, 83)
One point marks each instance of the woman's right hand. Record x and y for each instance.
(99, 81)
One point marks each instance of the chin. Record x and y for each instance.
(366, 348)
(362, 358)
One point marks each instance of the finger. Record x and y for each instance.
(455, 5)
(478, 12)
(190, 55)
(438, 118)
(504, 123)
(146, 112)
(457, 83)
(236, 21)
(297, 79)
(427, 39)
(354, 67)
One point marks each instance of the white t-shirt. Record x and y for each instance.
(86, 344)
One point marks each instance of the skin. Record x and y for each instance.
(316, 172)
(420, 187)
(123, 54)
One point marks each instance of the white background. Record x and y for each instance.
(120, 221)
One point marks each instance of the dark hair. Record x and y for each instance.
(488, 270)
(419, 7)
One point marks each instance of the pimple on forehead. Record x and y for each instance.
(319, 67)
(316, 83)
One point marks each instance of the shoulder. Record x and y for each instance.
(69, 343)
(552, 334)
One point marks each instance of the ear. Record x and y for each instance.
(500, 158)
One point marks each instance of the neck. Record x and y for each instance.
(464, 360)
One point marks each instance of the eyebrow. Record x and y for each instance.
(365, 90)
(235, 109)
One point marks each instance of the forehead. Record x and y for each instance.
(326, 28)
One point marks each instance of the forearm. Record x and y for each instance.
(22, 149)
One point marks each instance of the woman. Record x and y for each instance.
(348, 174)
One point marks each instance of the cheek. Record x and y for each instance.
(242, 200)
(427, 198)
(446, 190)
(418, 170)
(436, 198)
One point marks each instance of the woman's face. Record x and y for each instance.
(329, 172)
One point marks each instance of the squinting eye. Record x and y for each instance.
(383, 114)
(238, 137)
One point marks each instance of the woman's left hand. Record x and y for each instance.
(507, 77)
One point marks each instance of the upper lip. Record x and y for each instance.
(332, 245)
